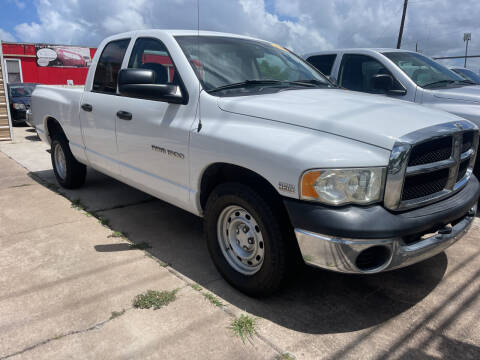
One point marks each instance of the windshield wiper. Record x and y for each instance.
(308, 83)
(466, 81)
(446, 81)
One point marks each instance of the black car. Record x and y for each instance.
(19, 95)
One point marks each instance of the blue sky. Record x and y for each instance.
(15, 12)
(302, 25)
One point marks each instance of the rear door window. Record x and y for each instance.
(109, 65)
(324, 63)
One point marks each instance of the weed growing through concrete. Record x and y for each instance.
(196, 287)
(103, 221)
(160, 262)
(213, 299)
(118, 234)
(77, 204)
(140, 246)
(155, 299)
(244, 327)
(285, 356)
(116, 314)
(307, 258)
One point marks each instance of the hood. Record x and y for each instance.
(469, 93)
(372, 119)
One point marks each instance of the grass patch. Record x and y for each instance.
(307, 258)
(103, 221)
(285, 356)
(160, 262)
(140, 246)
(77, 204)
(244, 327)
(116, 314)
(213, 299)
(196, 287)
(117, 234)
(155, 299)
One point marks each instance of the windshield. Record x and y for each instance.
(422, 70)
(21, 91)
(468, 74)
(224, 61)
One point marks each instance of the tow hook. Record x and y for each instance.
(445, 230)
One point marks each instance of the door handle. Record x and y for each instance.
(124, 115)
(87, 107)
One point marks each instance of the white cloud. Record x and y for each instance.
(6, 36)
(302, 25)
(20, 4)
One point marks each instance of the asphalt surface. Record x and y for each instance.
(62, 274)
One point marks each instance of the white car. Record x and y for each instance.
(403, 75)
(277, 160)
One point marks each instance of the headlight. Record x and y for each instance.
(19, 106)
(343, 186)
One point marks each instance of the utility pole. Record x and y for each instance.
(466, 38)
(416, 46)
(400, 33)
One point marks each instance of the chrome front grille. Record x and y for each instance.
(430, 164)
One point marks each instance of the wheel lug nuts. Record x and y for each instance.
(245, 229)
(250, 240)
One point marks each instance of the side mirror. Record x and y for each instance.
(382, 82)
(140, 83)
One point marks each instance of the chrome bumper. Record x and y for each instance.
(342, 254)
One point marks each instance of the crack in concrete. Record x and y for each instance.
(122, 206)
(41, 228)
(58, 337)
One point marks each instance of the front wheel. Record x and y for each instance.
(245, 240)
(69, 172)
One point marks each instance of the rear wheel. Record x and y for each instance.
(69, 172)
(245, 240)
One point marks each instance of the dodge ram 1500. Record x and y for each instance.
(281, 164)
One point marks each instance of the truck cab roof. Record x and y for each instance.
(354, 50)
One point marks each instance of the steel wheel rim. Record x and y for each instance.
(60, 161)
(241, 240)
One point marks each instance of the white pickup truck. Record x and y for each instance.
(277, 160)
(404, 75)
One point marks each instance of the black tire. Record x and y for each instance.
(273, 270)
(75, 172)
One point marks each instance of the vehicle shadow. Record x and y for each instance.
(313, 300)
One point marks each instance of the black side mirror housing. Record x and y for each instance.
(140, 83)
(382, 82)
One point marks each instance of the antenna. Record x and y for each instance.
(198, 54)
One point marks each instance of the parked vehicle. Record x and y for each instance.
(277, 160)
(19, 95)
(467, 74)
(403, 75)
(70, 58)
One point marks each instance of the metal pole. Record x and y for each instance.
(400, 33)
(466, 37)
(466, 52)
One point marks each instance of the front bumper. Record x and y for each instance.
(28, 118)
(355, 239)
(18, 116)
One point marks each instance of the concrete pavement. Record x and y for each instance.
(62, 276)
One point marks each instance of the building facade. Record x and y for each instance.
(46, 64)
